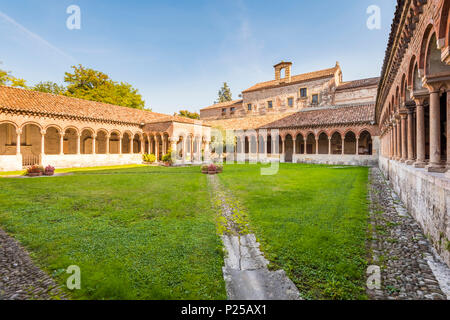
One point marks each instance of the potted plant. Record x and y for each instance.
(49, 171)
(167, 159)
(212, 169)
(35, 171)
(205, 169)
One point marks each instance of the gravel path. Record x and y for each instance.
(20, 279)
(245, 271)
(410, 269)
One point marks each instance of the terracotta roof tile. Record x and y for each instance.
(328, 116)
(295, 79)
(359, 83)
(247, 123)
(223, 104)
(20, 100)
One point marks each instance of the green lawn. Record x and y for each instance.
(136, 233)
(312, 222)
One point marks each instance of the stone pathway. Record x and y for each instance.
(20, 279)
(245, 272)
(410, 268)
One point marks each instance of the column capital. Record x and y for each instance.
(19, 131)
(43, 132)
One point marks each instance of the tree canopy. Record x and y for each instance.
(224, 94)
(6, 79)
(49, 87)
(188, 114)
(90, 84)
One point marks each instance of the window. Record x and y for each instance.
(224, 111)
(249, 107)
(232, 110)
(303, 93)
(291, 102)
(269, 104)
(315, 98)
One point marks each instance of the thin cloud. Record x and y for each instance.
(34, 36)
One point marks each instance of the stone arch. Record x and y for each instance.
(101, 141)
(403, 89)
(323, 143)
(365, 143)
(180, 146)
(444, 24)
(349, 142)
(417, 82)
(411, 67)
(253, 144)
(336, 143)
(114, 142)
(70, 143)
(424, 47)
(52, 140)
(433, 62)
(86, 141)
(31, 141)
(397, 98)
(137, 143)
(299, 144)
(311, 143)
(289, 148)
(8, 138)
(31, 123)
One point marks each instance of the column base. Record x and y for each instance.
(409, 162)
(420, 164)
(436, 168)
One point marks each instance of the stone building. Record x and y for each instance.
(412, 112)
(46, 129)
(318, 117)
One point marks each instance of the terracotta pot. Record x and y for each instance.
(212, 172)
(49, 173)
(34, 174)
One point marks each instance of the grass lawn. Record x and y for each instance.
(311, 221)
(136, 233)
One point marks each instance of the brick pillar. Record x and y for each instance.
(391, 147)
(435, 134)
(399, 140)
(410, 137)
(404, 138)
(18, 142)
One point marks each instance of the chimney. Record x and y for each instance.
(287, 69)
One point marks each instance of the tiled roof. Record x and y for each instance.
(295, 79)
(359, 83)
(223, 104)
(247, 123)
(33, 102)
(329, 116)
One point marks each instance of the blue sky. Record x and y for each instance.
(178, 53)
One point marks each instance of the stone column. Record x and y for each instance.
(399, 140)
(357, 146)
(420, 139)
(61, 143)
(410, 137)
(173, 147)
(43, 132)
(305, 142)
(404, 138)
(79, 143)
(94, 144)
(294, 140)
(155, 139)
(343, 144)
(120, 144)
(435, 134)
(391, 146)
(317, 145)
(329, 145)
(18, 142)
(107, 143)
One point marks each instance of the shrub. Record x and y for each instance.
(35, 169)
(49, 171)
(149, 158)
(167, 158)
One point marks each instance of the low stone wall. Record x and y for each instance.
(333, 159)
(90, 160)
(11, 163)
(427, 197)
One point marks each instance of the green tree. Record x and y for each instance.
(6, 79)
(224, 94)
(188, 114)
(89, 84)
(49, 87)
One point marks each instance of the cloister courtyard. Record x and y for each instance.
(135, 234)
